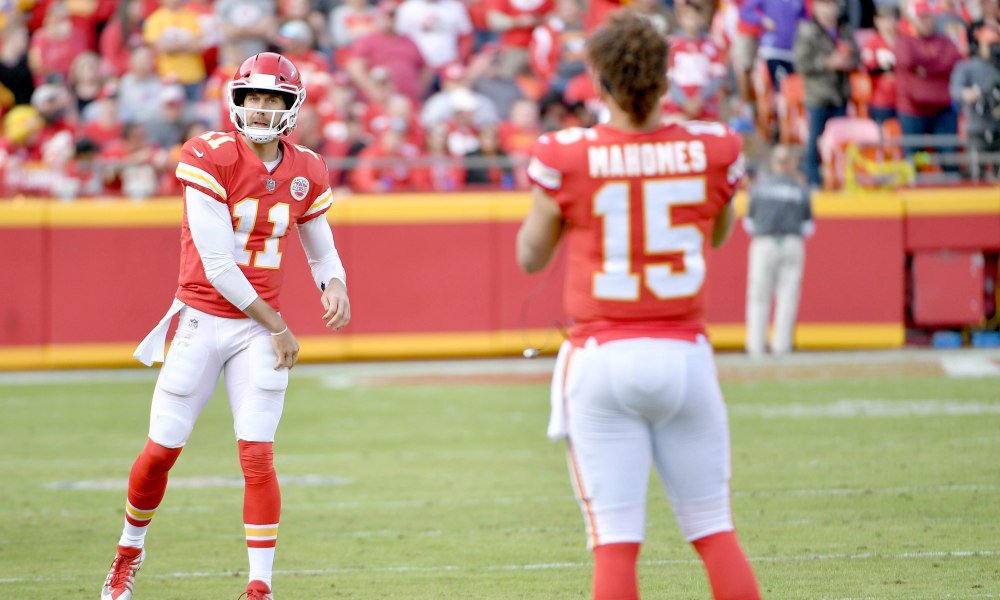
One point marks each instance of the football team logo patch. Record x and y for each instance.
(300, 187)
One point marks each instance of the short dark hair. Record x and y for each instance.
(630, 58)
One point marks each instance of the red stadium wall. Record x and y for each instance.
(435, 276)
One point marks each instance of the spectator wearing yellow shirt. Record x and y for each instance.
(173, 30)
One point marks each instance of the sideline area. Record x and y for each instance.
(733, 366)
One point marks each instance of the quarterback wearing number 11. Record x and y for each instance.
(243, 189)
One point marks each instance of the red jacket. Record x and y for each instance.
(923, 70)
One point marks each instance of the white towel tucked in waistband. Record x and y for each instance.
(150, 349)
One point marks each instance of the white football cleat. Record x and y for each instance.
(257, 590)
(121, 576)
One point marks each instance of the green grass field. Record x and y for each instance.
(867, 487)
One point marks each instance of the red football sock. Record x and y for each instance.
(147, 482)
(729, 572)
(615, 571)
(262, 498)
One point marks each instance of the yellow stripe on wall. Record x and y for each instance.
(953, 203)
(839, 206)
(445, 345)
(816, 336)
(465, 207)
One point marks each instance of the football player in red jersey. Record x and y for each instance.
(242, 191)
(638, 203)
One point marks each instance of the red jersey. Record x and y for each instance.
(519, 37)
(263, 206)
(693, 65)
(878, 57)
(639, 207)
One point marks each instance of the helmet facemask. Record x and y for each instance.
(280, 122)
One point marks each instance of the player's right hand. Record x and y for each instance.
(286, 348)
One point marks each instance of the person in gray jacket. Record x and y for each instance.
(779, 217)
(975, 86)
(825, 54)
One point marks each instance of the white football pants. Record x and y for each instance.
(637, 402)
(205, 346)
(775, 267)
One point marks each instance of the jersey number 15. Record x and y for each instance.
(613, 203)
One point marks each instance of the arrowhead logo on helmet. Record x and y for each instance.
(266, 72)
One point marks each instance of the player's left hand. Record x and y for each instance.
(337, 305)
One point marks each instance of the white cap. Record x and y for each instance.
(462, 99)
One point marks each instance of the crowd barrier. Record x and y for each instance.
(435, 275)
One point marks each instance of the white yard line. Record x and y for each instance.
(546, 566)
(970, 366)
(870, 408)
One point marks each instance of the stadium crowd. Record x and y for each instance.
(97, 96)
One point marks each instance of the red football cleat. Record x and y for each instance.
(121, 576)
(257, 590)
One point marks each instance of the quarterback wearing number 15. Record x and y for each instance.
(638, 202)
(243, 189)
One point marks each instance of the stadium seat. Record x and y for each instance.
(792, 122)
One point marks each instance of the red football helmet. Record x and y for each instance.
(268, 72)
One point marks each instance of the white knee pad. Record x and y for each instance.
(698, 519)
(170, 421)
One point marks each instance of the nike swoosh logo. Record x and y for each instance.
(200, 154)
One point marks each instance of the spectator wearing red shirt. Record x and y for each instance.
(122, 35)
(879, 60)
(30, 162)
(598, 11)
(398, 54)
(105, 127)
(519, 132)
(348, 23)
(386, 166)
(557, 46)
(55, 104)
(515, 20)
(133, 163)
(396, 113)
(696, 70)
(924, 62)
(53, 47)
